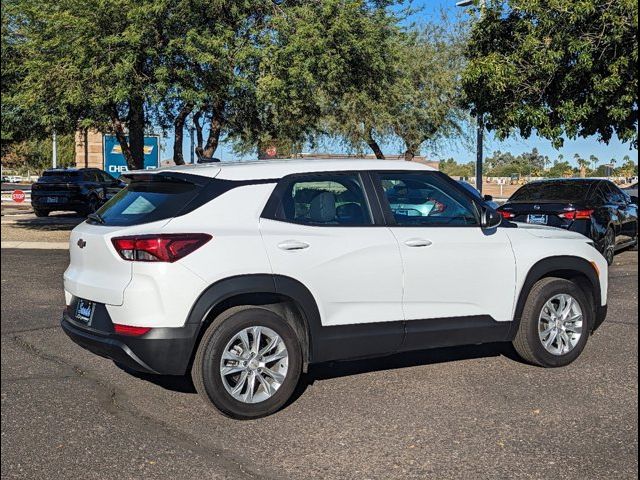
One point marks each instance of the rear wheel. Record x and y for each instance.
(41, 213)
(248, 363)
(555, 323)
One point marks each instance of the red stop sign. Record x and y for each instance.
(271, 151)
(17, 196)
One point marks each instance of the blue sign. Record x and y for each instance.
(114, 162)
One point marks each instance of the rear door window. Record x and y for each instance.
(324, 199)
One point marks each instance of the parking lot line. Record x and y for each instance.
(36, 245)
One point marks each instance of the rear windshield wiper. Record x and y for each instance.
(96, 218)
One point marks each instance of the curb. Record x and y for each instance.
(35, 245)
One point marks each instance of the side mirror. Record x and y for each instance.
(488, 198)
(489, 218)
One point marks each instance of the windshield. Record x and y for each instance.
(561, 191)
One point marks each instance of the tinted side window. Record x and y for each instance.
(426, 199)
(325, 199)
(90, 176)
(611, 193)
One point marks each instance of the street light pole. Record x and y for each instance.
(479, 118)
(479, 151)
(55, 150)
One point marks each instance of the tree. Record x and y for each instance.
(79, 71)
(561, 68)
(410, 91)
(453, 169)
(425, 98)
(560, 169)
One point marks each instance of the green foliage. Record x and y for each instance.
(453, 169)
(34, 155)
(409, 89)
(560, 67)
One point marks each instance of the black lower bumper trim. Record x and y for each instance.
(165, 351)
(601, 315)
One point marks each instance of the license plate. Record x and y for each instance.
(538, 219)
(51, 199)
(84, 311)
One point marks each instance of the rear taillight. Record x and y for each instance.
(507, 215)
(130, 330)
(159, 248)
(577, 214)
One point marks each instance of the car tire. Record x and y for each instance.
(608, 249)
(531, 339)
(41, 213)
(268, 394)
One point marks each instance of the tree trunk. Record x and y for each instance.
(136, 131)
(178, 129)
(215, 129)
(199, 137)
(373, 144)
(121, 136)
(411, 152)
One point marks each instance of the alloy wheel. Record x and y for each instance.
(560, 324)
(254, 364)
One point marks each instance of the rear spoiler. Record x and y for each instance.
(166, 177)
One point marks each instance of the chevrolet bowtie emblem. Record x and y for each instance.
(82, 243)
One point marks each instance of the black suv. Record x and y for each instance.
(81, 190)
(596, 208)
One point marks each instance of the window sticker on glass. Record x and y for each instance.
(139, 206)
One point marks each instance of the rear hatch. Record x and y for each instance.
(555, 203)
(96, 271)
(540, 213)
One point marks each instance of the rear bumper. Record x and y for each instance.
(65, 202)
(165, 351)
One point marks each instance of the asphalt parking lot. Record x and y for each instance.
(472, 412)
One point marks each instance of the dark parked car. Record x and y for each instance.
(81, 190)
(596, 208)
(488, 199)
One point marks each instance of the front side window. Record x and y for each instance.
(325, 199)
(423, 198)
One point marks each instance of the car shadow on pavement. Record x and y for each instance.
(57, 223)
(175, 383)
(324, 371)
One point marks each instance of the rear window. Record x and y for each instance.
(49, 177)
(570, 191)
(148, 201)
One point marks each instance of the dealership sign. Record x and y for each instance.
(114, 161)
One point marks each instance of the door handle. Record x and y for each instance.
(418, 242)
(292, 245)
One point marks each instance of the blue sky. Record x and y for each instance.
(431, 11)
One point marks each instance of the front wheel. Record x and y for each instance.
(41, 213)
(609, 246)
(555, 323)
(248, 363)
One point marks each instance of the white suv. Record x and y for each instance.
(244, 274)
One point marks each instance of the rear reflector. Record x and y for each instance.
(129, 330)
(159, 248)
(577, 214)
(506, 215)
